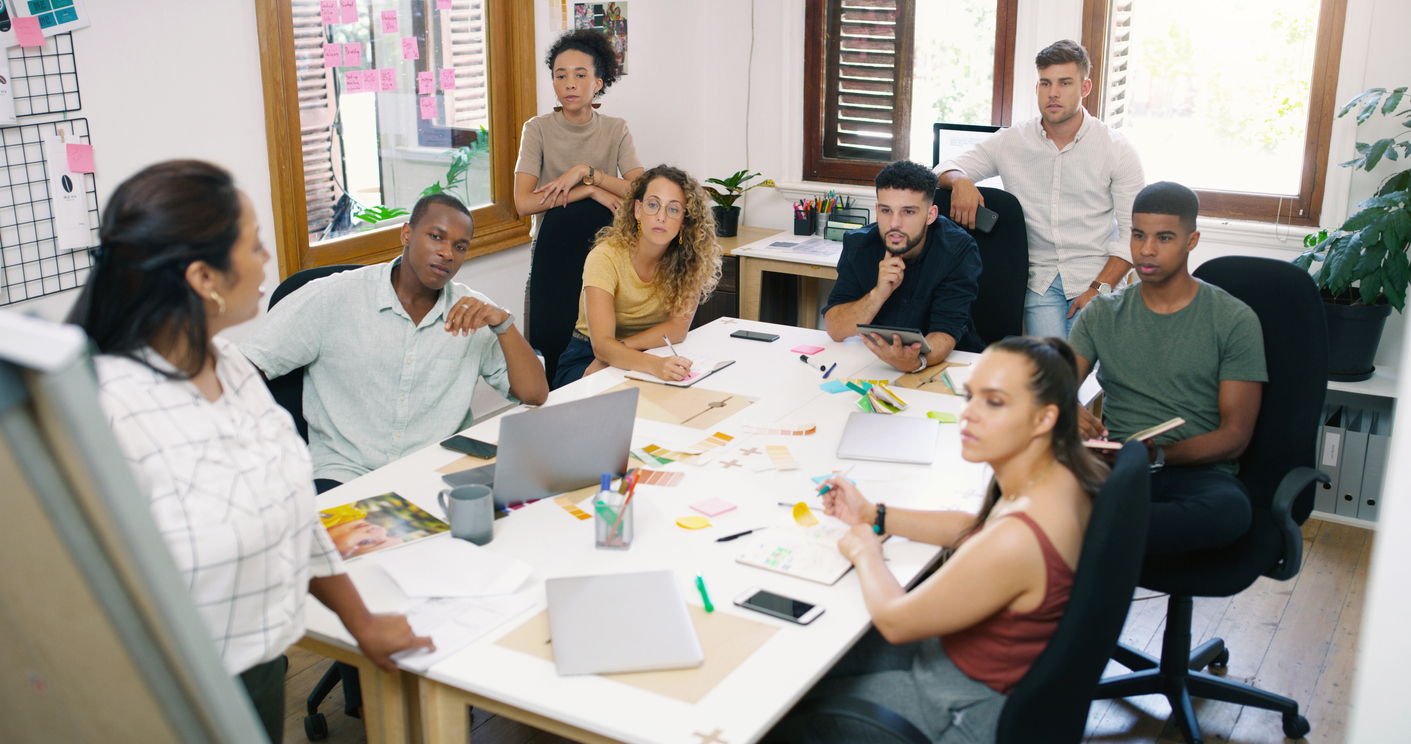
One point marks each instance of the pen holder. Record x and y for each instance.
(612, 524)
(820, 222)
(804, 225)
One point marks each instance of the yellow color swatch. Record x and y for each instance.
(803, 515)
(693, 523)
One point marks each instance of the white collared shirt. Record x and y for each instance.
(1077, 201)
(230, 487)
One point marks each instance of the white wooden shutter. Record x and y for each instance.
(1119, 51)
(867, 106)
(317, 111)
(463, 47)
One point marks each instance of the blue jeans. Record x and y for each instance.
(1047, 314)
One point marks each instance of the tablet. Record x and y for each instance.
(909, 336)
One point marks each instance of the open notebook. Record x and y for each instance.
(701, 368)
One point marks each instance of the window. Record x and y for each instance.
(336, 151)
(880, 73)
(1240, 110)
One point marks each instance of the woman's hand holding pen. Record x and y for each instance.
(841, 499)
(673, 368)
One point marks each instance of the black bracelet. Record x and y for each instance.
(879, 525)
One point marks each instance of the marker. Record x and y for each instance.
(700, 584)
(728, 538)
(804, 358)
(830, 370)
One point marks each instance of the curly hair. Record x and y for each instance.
(689, 270)
(593, 43)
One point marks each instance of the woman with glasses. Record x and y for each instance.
(644, 278)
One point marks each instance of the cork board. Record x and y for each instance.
(696, 407)
(928, 379)
(726, 639)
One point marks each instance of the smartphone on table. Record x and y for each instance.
(793, 610)
(755, 336)
(472, 447)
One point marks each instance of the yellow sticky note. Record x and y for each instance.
(693, 523)
(803, 515)
(943, 417)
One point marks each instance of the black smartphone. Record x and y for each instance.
(472, 447)
(985, 219)
(793, 610)
(755, 336)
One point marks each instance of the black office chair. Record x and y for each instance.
(288, 392)
(1050, 704)
(998, 311)
(1277, 468)
(556, 276)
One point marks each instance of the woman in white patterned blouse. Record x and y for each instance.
(229, 480)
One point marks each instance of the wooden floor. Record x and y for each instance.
(1296, 638)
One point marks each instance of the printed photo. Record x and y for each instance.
(378, 523)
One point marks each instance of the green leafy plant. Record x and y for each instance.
(1369, 250)
(374, 215)
(734, 187)
(461, 158)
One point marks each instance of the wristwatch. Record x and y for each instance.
(1160, 461)
(879, 525)
(505, 326)
(1101, 287)
(588, 180)
(924, 363)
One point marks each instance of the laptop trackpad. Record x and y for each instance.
(483, 475)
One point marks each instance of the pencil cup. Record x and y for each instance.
(804, 225)
(470, 510)
(612, 524)
(820, 221)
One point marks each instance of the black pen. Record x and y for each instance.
(728, 538)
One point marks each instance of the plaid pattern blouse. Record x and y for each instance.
(230, 486)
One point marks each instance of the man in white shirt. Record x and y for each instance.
(1076, 180)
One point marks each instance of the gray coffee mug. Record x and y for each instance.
(470, 512)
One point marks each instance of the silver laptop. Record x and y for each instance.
(635, 622)
(877, 436)
(557, 448)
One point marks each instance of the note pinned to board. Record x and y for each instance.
(389, 21)
(803, 515)
(448, 78)
(428, 107)
(410, 48)
(443, 4)
(27, 31)
(693, 523)
(425, 83)
(348, 10)
(332, 55)
(371, 81)
(328, 11)
(353, 81)
(389, 78)
(353, 55)
(80, 158)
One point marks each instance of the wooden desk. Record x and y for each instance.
(754, 695)
(752, 269)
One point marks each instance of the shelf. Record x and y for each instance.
(1382, 384)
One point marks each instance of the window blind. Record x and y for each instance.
(317, 111)
(868, 99)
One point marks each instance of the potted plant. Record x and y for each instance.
(1365, 269)
(727, 215)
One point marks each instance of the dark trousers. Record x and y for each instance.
(352, 690)
(1195, 508)
(264, 684)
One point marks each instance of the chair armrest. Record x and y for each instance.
(1282, 509)
(801, 725)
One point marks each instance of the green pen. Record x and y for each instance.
(700, 584)
(945, 378)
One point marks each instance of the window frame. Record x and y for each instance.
(510, 41)
(817, 48)
(1303, 209)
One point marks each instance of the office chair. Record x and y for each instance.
(1050, 704)
(556, 276)
(288, 392)
(1277, 468)
(1004, 251)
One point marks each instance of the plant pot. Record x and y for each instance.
(1354, 331)
(727, 221)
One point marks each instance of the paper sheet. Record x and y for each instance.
(445, 566)
(454, 624)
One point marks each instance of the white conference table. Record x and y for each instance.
(755, 695)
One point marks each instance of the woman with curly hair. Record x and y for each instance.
(644, 279)
(574, 166)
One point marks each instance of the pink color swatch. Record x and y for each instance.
(428, 107)
(80, 158)
(27, 31)
(389, 21)
(425, 83)
(410, 49)
(353, 55)
(448, 78)
(332, 55)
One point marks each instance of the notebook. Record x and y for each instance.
(701, 366)
(806, 552)
(1140, 436)
(634, 622)
(869, 436)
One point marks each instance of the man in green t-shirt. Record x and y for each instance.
(1172, 345)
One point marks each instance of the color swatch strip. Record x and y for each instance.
(788, 430)
(662, 453)
(572, 508)
(718, 439)
(780, 456)
(658, 478)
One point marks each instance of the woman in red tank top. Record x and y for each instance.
(945, 654)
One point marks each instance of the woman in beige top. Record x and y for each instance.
(574, 166)
(644, 279)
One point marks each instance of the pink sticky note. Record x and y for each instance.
(425, 83)
(80, 158)
(27, 31)
(448, 78)
(349, 10)
(371, 81)
(428, 107)
(389, 21)
(353, 81)
(443, 4)
(410, 50)
(806, 349)
(712, 506)
(389, 78)
(353, 55)
(332, 55)
(328, 11)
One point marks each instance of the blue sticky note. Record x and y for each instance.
(834, 386)
(818, 479)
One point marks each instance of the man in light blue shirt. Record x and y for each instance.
(393, 351)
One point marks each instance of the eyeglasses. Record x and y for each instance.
(673, 210)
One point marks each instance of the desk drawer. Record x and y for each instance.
(729, 274)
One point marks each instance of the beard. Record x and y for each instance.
(911, 242)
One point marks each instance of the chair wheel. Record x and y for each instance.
(1222, 659)
(1296, 726)
(316, 727)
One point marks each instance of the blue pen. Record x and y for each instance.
(844, 474)
(830, 370)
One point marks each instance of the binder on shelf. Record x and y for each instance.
(1329, 457)
(1374, 472)
(1354, 456)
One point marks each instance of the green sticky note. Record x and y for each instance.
(945, 418)
(865, 404)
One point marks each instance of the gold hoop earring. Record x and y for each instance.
(220, 304)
